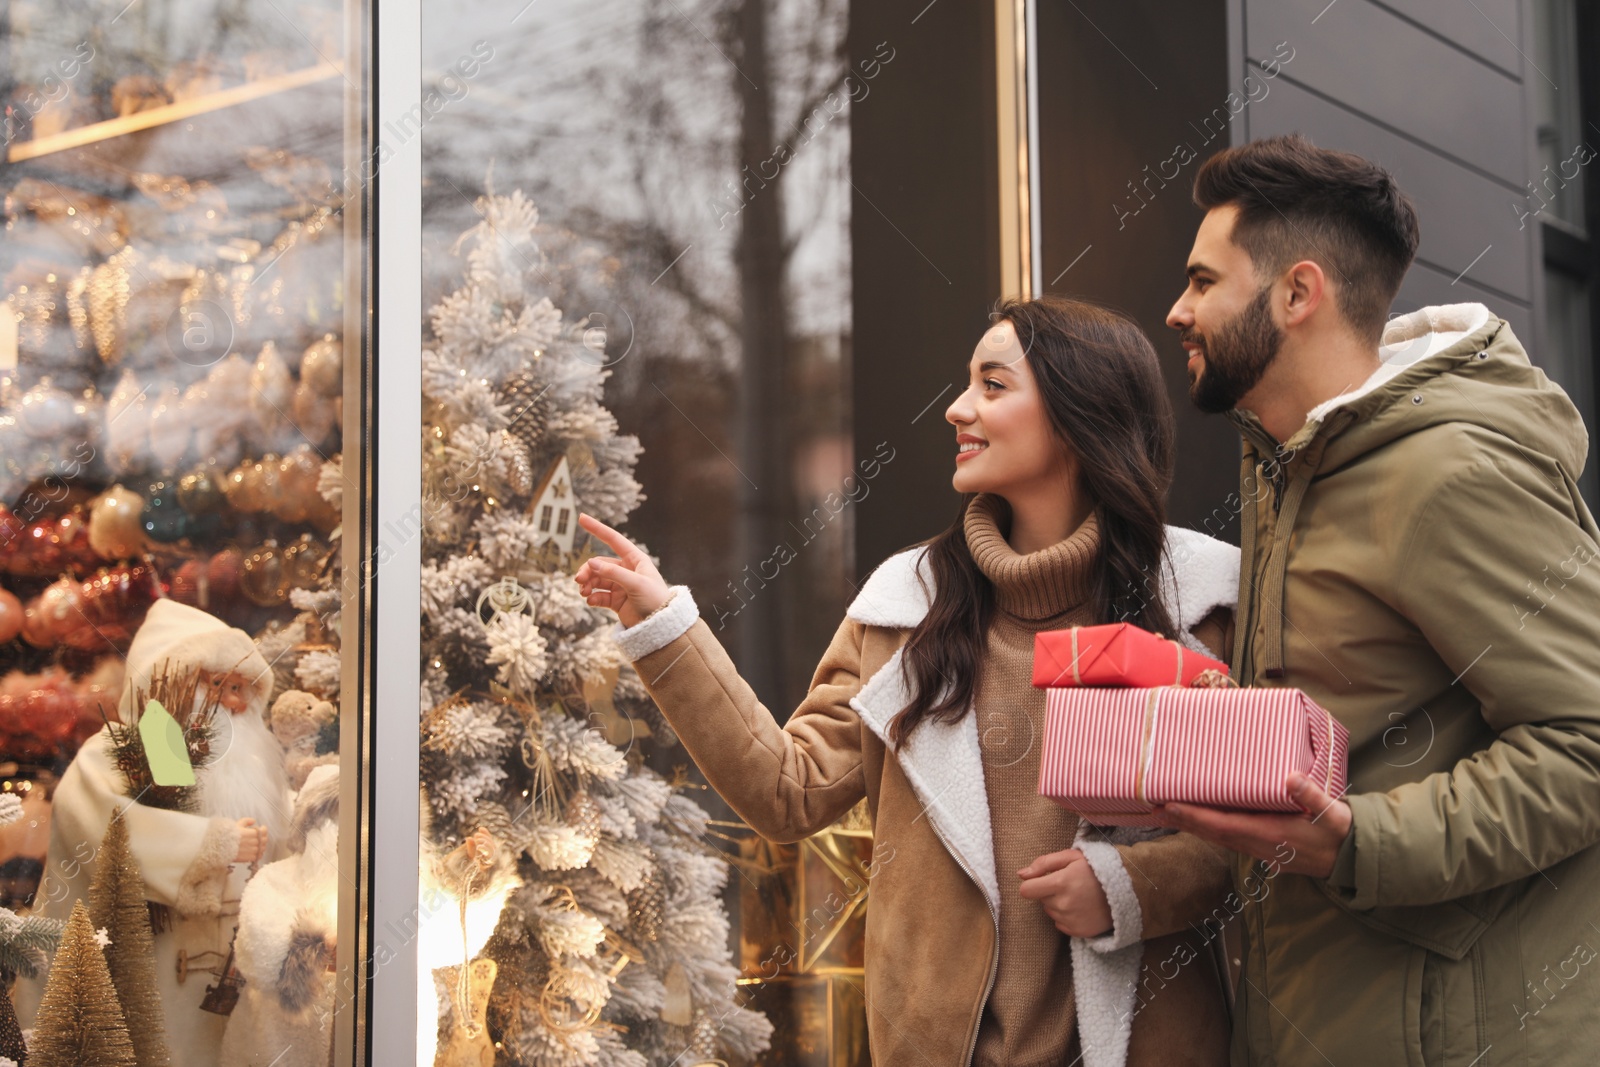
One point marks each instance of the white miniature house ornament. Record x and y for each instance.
(554, 508)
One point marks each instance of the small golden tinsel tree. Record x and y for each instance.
(117, 905)
(80, 1022)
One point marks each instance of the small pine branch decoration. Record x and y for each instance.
(25, 942)
(175, 689)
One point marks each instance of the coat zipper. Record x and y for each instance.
(994, 955)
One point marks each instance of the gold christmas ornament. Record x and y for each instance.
(78, 309)
(298, 473)
(34, 305)
(109, 290)
(313, 413)
(322, 366)
(115, 529)
(264, 578)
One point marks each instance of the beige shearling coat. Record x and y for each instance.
(932, 927)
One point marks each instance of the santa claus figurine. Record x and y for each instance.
(194, 863)
(286, 944)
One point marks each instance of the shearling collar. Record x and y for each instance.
(899, 593)
(942, 760)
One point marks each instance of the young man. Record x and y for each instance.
(1417, 559)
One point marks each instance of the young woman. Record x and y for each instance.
(923, 704)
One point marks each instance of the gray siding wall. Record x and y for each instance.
(1435, 91)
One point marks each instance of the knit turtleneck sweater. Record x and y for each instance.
(1029, 1020)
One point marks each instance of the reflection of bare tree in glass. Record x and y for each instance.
(768, 76)
(650, 132)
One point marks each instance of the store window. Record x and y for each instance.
(180, 298)
(1561, 195)
(637, 275)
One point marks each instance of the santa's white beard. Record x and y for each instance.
(246, 777)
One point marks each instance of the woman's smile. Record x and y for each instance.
(969, 446)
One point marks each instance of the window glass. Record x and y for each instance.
(180, 273)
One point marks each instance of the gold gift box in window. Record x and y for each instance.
(803, 906)
(818, 1020)
(802, 932)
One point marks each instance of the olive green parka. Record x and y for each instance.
(1417, 559)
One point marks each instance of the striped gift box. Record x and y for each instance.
(1111, 755)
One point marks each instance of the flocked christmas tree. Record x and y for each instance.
(80, 1022)
(613, 951)
(117, 904)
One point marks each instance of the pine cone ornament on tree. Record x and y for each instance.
(527, 411)
(647, 907)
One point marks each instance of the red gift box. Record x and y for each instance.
(1113, 754)
(1118, 654)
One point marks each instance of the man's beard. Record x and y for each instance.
(1236, 356)
(246, 778)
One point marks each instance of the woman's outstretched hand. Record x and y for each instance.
(629, 585)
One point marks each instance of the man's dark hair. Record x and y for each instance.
(1297, 201)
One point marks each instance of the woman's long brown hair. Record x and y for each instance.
(1102, 388)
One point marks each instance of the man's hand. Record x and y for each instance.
(1067, 887)
(252, 841)
(1314, 837)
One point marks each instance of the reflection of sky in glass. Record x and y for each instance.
(619, 118)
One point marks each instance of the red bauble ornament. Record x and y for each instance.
(11, 617)
(222, 575)
(39, 713)
(72, 535)
(114, 604)
(61, 608)
(190, 585)
(36, 629)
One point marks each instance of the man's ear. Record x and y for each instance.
(1302, 291)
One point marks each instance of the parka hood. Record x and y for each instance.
(1451, 363)
(1456, 365)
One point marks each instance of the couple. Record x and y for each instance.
(1413, 559)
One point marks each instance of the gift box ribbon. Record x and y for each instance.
(1077, 657)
